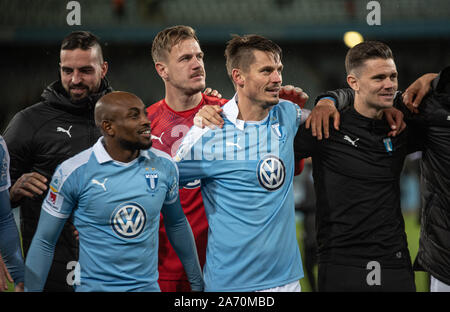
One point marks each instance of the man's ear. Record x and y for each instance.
(353, 82)
(104, 69)
(161, 69)
(108, 128)
(238, 77)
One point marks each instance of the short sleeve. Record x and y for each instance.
(62, 194)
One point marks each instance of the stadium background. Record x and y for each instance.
(309, 31)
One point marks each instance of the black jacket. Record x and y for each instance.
(39, 138)
(431, 129)
(434, 245)
(357, 186)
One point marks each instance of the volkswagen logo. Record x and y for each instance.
(271, 172)
(128, 220)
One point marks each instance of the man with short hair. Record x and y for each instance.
(178, 60)
(246, 171)
(43, 135)
(117, 222)
(361, 235)
(428, 99)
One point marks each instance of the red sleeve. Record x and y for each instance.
(299, 164)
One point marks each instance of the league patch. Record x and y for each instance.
(55, 200)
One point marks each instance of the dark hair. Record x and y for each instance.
(239, 50)
(83, 40)
(364, 51)
(166, 39)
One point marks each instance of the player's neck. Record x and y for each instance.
(250, 111)
(367, 110)
(180, 102)
(118, 153)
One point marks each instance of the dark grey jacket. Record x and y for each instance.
(39, 138)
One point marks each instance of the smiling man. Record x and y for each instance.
(246, 171)
(45, 134)
(117, 222)
(361, 235)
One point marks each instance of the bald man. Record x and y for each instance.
(115, 191)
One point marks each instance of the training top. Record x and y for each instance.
(246, 171)
(356, 175)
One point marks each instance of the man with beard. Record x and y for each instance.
(117, 222)
(42, 136)
(246, 171)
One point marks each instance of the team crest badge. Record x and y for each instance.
(388, 145)
(152, 180)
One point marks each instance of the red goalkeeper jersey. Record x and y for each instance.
(168, 130)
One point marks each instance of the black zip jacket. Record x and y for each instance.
(39, 138)
(357, 183)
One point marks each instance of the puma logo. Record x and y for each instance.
(60, 129)
(234, 144)
(154, 137)
(101, 184)
(353, 142)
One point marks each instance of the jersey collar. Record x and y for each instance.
(102, 155)
(231, 112)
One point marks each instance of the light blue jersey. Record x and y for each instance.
(10, 248)
(116, 209)
(247, 173)
(5, 181)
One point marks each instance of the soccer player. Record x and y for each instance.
(10, 250)
(43, 135)
(178, 60)
(246, 171)
(431, 121)
(115, 191)
(361, 238)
